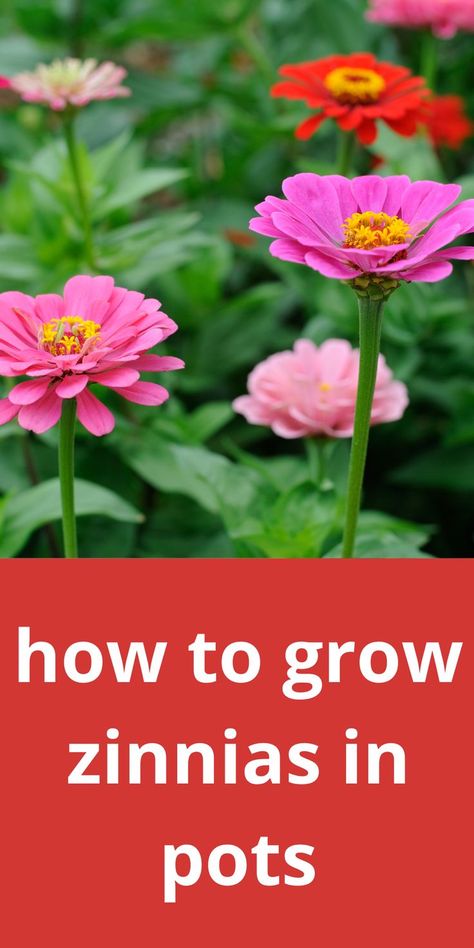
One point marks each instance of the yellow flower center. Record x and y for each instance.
(69, 335)
(324, 387)
(354, 85)
(370, 229)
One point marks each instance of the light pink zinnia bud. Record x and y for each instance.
(311, 390)
(444, 17)
(95, 333)
(369, 226)
(70, 82)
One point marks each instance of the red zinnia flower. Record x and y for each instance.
(446, 121)
(355, 91)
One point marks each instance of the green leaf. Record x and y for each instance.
(147, 181)
(173, 468)
(381, 536)
(33, 508)
(296, 525)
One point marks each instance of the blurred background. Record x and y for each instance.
(174, 172)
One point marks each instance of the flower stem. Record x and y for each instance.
(429, 58)
(346, 153)
(66, 475)
(370, 327)
(74, 159)
(316, 454)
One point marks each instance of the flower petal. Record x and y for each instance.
(155, 363)
(28, 392)
(71, 385)
(41, 415)
(144, 393)
(116, 378)
(80, 292)
(95, 416)
(7, 410)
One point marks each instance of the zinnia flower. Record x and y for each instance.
(446, 121)
(70, 82)
(370, 228)
(312, 390)
(355, 91)
(444, 17)
(4, 82)
(95, 333)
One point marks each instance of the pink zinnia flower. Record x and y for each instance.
(95, 333)
(70, 82)
(444, 17)
(312, 390)
(368, 227)
(4, 82)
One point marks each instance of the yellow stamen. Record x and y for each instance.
(370, 229)
(354, 85)
(68, 335)
(324, 387)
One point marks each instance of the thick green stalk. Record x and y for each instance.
(66, 475)
(347, 144)
(370, 327)
(83, 204)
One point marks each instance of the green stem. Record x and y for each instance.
(316, 453)
(429, 58)
(370, 327)
(84, 210)
(66, 475)
(346, 153)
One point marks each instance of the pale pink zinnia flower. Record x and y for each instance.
(95, 333)
(311, 390)
(444, 17)
(367, 227)
(70, 82)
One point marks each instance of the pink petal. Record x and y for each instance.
(336, 355)
(41, 415)
(95, 416)
(7, 411)
(316, 196)
(28, 392)
(429, 272)
(72, 385)
(286, 249)
(328, 266)
(264, 226)
(81, 291)
(424, 200)
(456, 253)
(50, 306)
(116, 378)
(396, 187)
(370, 192)
(144, 393)
(155, 363)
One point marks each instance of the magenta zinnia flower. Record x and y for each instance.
(367, 227)
(444, 17)
(70, 82)
(311, 391)
(95, 333)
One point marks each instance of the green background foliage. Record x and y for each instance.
(172, 174)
